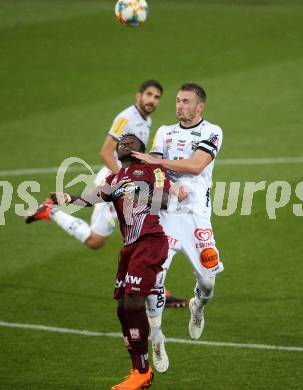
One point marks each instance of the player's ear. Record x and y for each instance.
(201, 107)
(138, 96)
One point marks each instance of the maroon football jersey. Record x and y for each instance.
(136, 216)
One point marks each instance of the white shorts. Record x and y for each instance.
(192, 234)
(104, 214)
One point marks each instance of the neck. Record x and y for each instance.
(141, 112)
(191, 123)
(128, 162)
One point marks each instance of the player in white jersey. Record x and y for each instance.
(136, 120)
(188, 150)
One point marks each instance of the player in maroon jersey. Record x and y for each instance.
(137, 191)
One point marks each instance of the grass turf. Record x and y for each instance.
(66, 69)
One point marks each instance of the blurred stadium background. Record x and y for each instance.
(67, 67)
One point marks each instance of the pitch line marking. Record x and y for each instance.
(226, 161)
(83, 332)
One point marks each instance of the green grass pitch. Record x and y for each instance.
(67, 67)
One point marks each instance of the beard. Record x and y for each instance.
(147, 108)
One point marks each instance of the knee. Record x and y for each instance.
(95, 241)
(205, 288)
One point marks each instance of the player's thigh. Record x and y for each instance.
(199, 246)
(172, 226)
(122, 272)
(145, 269)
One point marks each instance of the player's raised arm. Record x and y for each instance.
(107, 153)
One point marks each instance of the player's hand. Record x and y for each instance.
(180, 191)
(145, 157)
(59, 198)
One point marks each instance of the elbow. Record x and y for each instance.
(195, 170)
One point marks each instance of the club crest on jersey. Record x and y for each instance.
(214, 139)
(138, 172)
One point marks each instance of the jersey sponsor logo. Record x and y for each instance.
(135, 289)
(119, 283)
(173, 132)
(133, 279)
(172, 241)
(126, 188)
(134, 333)
(209, 258)
(203, 234)
(128, 279)
(201, 245)
(159, 177)
(119, 126)
(196, 133)
(138, 172)
(181, 144)
(168, 143)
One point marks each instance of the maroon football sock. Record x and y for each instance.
(138, 330)
(126, 334)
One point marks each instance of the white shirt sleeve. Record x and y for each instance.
(119, 127)
(158, 145)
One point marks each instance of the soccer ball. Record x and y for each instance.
(131, 12)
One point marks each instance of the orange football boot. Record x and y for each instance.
(136, 381)
(42, 212)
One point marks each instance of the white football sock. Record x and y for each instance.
(155, 329)
(74, 226)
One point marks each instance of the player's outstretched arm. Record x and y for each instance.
(104, 193)
(107, 154)
(86, 200)
(193, 165)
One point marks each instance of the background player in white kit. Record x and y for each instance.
(188, 149)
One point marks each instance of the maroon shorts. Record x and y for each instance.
(140, 266)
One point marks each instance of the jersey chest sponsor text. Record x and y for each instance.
(180, 147)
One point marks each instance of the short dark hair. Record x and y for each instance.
(199, 91)
(142, 144)
(150, 83)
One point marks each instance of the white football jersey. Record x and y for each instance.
(176, 142)
(127, 121)
(131, 121)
